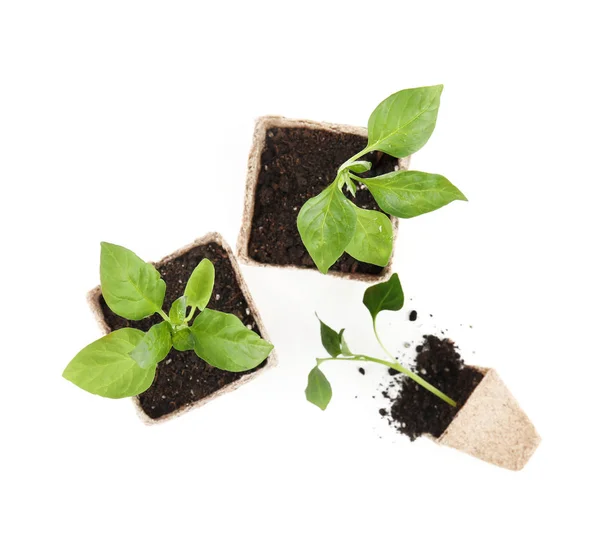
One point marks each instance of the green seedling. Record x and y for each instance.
(123, 363)
(330, 224)
(378, 298)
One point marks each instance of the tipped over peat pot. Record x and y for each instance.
(492, 426)
(487, 422)
(183, 381)
(290, 162)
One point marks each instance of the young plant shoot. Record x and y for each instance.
(330, 224)
(384, 296)
(123, 363)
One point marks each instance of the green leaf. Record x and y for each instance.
(344, 344)
(401, 124)
(222, 340)
(326, 224)
(373, 238)
(384, 296)
(407, 194)
(178, 310)
(183, 340)
(154, 347)
(359, 166)
(351, 186)
(200, 285)
(318, 389)
(330, 339)
(106, 368)
(132, 288)
(345, 180)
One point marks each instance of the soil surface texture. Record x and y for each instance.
(414, 411)
(182, 378)
(297, 164)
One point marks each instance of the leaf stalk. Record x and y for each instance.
(162, 314)
(396, 366)
(354, 158)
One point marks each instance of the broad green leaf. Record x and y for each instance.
(183, 340)
(326, 224)
(132, 288)
(344, 344)
(407, 194)
(373, 238)
(360, 166)
(384, 296)
(178, 310)
(154, 347)
(330, 339)
(106, 368)
(318, 389)
(200, 285)
(222, 340)
(401, 124)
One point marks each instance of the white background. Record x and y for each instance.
(131, 121)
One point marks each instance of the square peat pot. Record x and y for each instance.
(182, 380)
(290, 162)
(492, 426)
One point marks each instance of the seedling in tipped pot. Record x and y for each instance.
(123, 363)
(378, 298)
(330, 224)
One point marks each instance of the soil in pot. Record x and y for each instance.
(182, 378)
(297, 164)
(414, 411)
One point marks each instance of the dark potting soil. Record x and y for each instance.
(414, 410)
(182, 378)
(297, 164)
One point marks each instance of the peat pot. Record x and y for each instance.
(182, 380)
(290, 162)
(491, 426)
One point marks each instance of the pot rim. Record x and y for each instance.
(482, 370)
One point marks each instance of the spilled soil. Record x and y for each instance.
(413, 410)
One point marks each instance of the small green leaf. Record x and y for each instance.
(402, 123)
(326, 224)
(384, 296)
(318, 389)
(407, 194)
(360, 166)
(344, 344)
(351, 186)
(178, 310)
(132, 288)
(222, 340)
(154, 347)
(105, 367)
(342, 178)
(373, 238)
(199, 288)
(183, 340)
(345, 180)
(330, 339)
